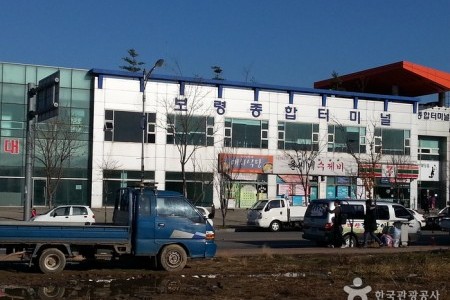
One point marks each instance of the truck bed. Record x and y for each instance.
(297, 213)
(13, 232)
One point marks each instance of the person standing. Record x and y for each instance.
(33, 213)
(337, 240)
(370, 224)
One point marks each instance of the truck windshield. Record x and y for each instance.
(259, 205)
(177, 207)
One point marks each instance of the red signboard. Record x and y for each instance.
(11, 146)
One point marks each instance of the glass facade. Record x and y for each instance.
(347, 139)
(298, 136)
(75, 105)
(244, 133)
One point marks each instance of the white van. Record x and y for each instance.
(317, 224)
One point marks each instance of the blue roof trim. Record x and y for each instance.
(256, 95)
(291, 97)
(324, 100)
(101, 73)
(182, 88)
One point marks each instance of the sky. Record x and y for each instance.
(282, 42)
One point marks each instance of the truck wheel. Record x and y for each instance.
(275, 226)
(51, 292)
(52, 261)
(173, 258)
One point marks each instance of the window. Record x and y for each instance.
(14, 93)
(401, 212)
(275, 204)
(199, 188)
(190, 130)
(297, 136)
(428, 149)
(246, 133)
(382, 212)
(347, 139)
(79, 211)
(392, 141)
(353, 211)
(124, 126)
(62, 211)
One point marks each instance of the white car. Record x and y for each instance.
(419, 217)
(68, 214)
(205, 212)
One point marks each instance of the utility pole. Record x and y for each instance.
(31, 104)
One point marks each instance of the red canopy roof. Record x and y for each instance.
(407, 78)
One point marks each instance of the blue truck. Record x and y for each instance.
(161, 225)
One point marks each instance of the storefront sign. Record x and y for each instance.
(323, 165)
(429, 170)
(240, 163)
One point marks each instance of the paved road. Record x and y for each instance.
(251, 242)
(238, 239)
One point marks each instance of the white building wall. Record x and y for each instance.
(123, 94)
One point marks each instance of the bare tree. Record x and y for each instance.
(369, 162)
(302, 159)
(132, 63)
(189, 126)
(205, 177)
(336, 82)
(397, 162)
(56, 142)
(247, 73)
(108, 168)
(228, 170)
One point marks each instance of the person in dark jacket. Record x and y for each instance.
(370, 224)
(337, 239)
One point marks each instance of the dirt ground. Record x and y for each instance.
(254, 277)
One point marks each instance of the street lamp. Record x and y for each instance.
(146, 76)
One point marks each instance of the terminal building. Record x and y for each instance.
(132, 125)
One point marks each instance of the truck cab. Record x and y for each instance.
(164, 224)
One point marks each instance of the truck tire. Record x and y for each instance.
(275, 226)
(51, 292)
(172, 258)
(52, 261)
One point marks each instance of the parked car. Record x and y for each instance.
(318, 222)
(419, 217)
(433, 221)
(206, 213)
(67, 214)
(203, 210)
